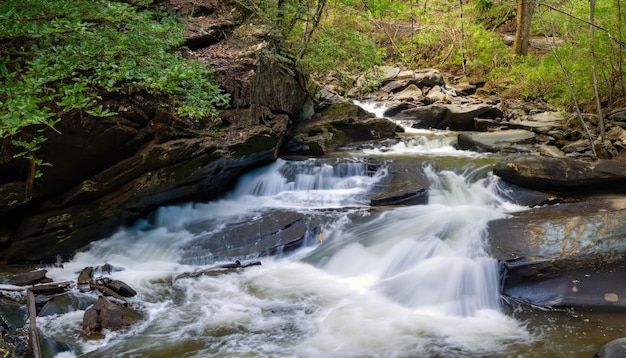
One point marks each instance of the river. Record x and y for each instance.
(406, 281)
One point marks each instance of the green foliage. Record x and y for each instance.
(541, 77)
(341, 49)
(29, 148)
(61, 56)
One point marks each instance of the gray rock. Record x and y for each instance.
(508, 140)
(28, 278)
(267, 234)
(337, 125)
(410, 93)
(67, 302)
(561, 174)
(105, 314)
(568, 255)
(614, 349)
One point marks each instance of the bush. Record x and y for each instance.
(60, 56)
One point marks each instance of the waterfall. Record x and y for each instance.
(404, 281)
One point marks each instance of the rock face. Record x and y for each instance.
(569, 255)
(562, 174)
(337, 125)
(111, 171)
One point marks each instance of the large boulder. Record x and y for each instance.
(563, 174)
(454, 116)
(108, 172)
(105, 314)
(337, 125)
(507, 141)
(570, 255)
(614, 349)
(265, 234)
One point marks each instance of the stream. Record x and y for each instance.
(395, 281)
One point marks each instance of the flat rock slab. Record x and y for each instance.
(561, 174)
(580, 289)
(496, 141)
(595, 226)
(568, 255)
(265, 234)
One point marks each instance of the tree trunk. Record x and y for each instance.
(592, 10)
(522, 32)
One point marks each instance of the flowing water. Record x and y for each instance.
(410, 281)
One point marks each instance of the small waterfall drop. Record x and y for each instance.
(401, 281)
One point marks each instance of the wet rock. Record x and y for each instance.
(563, 174)
(388, 80)
(439, 115)
(64, 303)
(109, 172)
(218, 270)
(509, 141)
(28, 278)
(409, 93)
(423, 116)
(525, 197)
(461, 116)
(117, 286)
(107, 268)
(337, 125)
(419, 197)
(52, 348)
(567, 255)
(105, 314)
(269, 233)
(614, 349)
(85, 279)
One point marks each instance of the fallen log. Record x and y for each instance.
(33, 334)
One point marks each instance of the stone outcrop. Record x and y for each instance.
(565, 256)
(563, 174)
(108, 172)
(337, 125)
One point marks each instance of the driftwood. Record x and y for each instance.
(51, 288)
(33, 334)
(218, 269)
(109, 292)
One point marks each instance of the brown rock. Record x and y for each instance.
(562, 174)
(105, 314)
(28, 278)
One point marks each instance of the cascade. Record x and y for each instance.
(403, 281)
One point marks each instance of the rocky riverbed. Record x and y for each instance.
(566, 253)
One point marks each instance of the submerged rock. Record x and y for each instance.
(64, 303)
